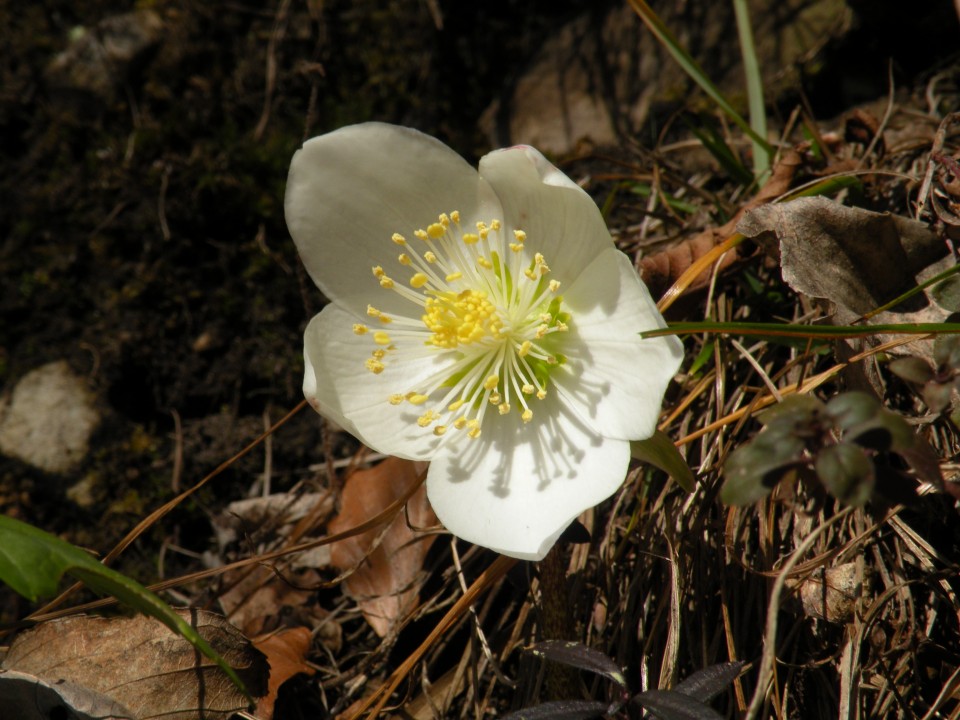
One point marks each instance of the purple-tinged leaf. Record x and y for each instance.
(673, 705)
(562, 710)
(706, 684)
(579, 656)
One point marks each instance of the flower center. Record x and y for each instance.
(486, 306)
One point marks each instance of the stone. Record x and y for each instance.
(603, 76)
(48, 419)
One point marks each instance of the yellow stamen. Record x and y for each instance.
(416, 398)
(419, 280)
(439, 430)
(401, 240)
(396, 399)
(524, 348)
(381, 338)
(386, 282)
(374, 366)
(436, 230)
(470, 238)
(527, 415)
(454, 276)
(503, 408)
(520, 235)
(404, 259)
(429, 257)
(360, 329)
(491, 382)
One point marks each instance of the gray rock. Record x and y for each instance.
(99, 59)
(603, 77)
(48, 419)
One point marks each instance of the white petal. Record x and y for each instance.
(348, 191)
(339, 387)
(517, 487)
(614, 379)
(560, 219)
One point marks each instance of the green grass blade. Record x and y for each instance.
(802, 331)
(751, 71)
(32, 562)
(660, 452)
(693, 69)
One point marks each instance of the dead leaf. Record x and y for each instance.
(31, 698)
(852, 257)
(385, 581)
(286, 653)
(141, 665)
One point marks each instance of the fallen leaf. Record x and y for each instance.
(286, 653)
(855, 258)
(141, 665)
(385, 581)
(32, 698)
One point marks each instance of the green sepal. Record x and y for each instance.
(659, 451)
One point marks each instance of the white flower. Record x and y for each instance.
(484, 322)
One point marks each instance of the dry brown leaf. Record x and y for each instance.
(257, 596)
(286, 653)
(27, 697)
(141, 665)
(385, 582)
(852, 257)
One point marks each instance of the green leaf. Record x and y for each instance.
(846, 472)
(947, 293)
(32, 562)
(853, 408)
(753, 469)
(912, 369)
(659, 451)
(580, 656)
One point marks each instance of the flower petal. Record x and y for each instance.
(340, 388)
(561, 220)
(348, 191)
(517, 487)
(615, 380)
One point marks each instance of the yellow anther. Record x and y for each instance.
(494, 224)
(454, 276)
(470, 238)
(379, 354)
(381, 338)
(439, 430)
(527, 389)
(396, 399)
(373, 312)
(386, 282)
(416, 398)
(554, 285)
(525, 348)
(520, 235)
(474, 426)
(444, 220)
(419, 280)
(541, 394)
(404, 259)
(455, 405)
(360, 329)
(429, 257)
(460, 423)
(503, 408)
(428, 417)
(481, 226)
(495, 398)
(377, 271)
(541, 331)
(561, 327)
(384, 318)
(374, 366)
(491, 382)
(484, 263)
(516, 247)
(420, 234)
(400, 239)
(455, 216)
(527, 415)
(436, 230)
